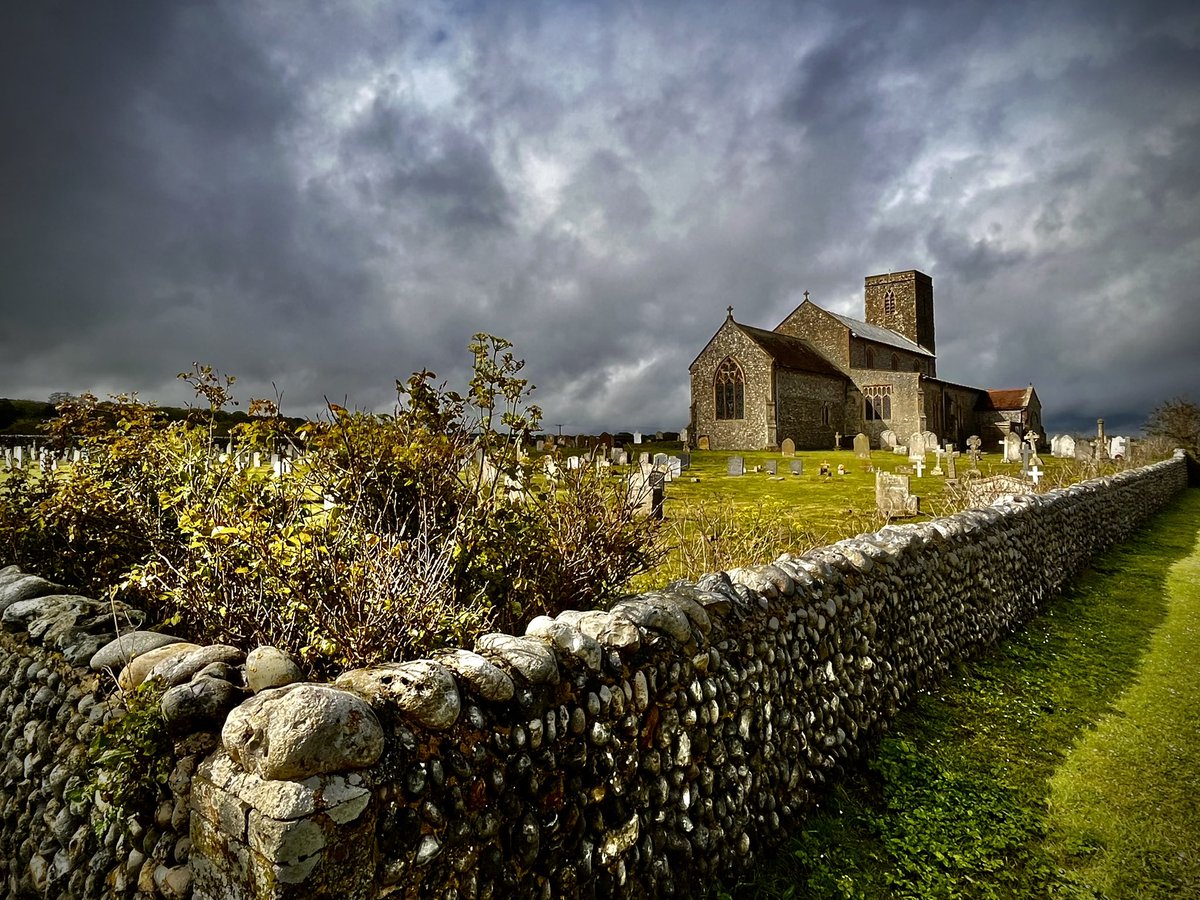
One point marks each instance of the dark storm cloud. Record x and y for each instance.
(332, 197)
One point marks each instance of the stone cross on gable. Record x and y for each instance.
(806, 296)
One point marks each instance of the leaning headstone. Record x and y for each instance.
(917, 446)
(735, 466)
(888, 439)
(1066, 446)
(1012, 447)
(771, 466)
(789, 447)
(797, 466)
(862, 446)
(892, 497)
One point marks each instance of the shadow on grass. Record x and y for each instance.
(953, 802)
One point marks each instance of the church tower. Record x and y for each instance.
(903, 303)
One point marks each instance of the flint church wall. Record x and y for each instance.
(643, 751)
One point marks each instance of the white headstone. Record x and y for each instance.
(637, 437)
(917, 447)
(1012, 447)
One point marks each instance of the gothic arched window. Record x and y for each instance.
(730, 388)
(877, 402)
(869, 356)
(895, 363)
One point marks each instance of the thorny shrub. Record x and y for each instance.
(391, 535)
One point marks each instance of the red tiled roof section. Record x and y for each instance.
(791, 352)
(1014, 399)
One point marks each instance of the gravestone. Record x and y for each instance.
(702, 444)
(862, 446)
(1083, 451)
(637, 437)
(1066, 447)
(644, 458)
(638, 493)
(685, 460)
(1026, 455)
(937, 466)
(1032, 438)
(551, 468)
(973, 445)
(606, 439)
(772, 467)
(1036, 474)
(1118, 447)
(735, 466)
(789, 447)
(951, 465)
(1100, 445)
(572, 462)
(541, 445)
(657, 481)
(660, 459)
(1012, 447)
(683, 437)
(917, 446)
(931, 441)
(620, 457)
(674, 466)
(892, 497)
(888, 439)
(837, 440)
(797, 466)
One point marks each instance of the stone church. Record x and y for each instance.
(818, 374)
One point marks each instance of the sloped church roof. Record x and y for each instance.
(790, 352)
(880, 335)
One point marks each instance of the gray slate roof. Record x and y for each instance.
(880, 335)
(791, 352)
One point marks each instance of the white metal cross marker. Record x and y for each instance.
(1036, 474)
(920, 465)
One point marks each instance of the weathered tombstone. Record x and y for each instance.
(735, 466)
(1012, 447)
(1054, 442)
(973, 445)
(541, 445)
(937, 466)
(862, 446)
(837, 440)
(685, 460)
(638, 493)
(788, 448)
(772, 466)
(637, 437)
(1083, 450)
(1032, 438)
(551, 468)
(657, 481)
(257, 459)
(931, 441)
(797, 466)
(660, 459)
(892, 497)
(917, 446)
(1066, 447)
(951, 465)
(1118, 447)
(572, 462)
(1026, 455)
(621, 458)
(1100, 445)
(683, 436)
(674, 466)
(986, 491)
(888, 439)
(919, 465)
(644, 458)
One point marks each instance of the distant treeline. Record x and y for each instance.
(29, 416)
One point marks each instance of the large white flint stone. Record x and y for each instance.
(179, 668)
(138, 668)
(488, 681)
(301, 730)
(121, 650)
(270, 667)
(421, 689)
(26, 587)
(567, 638)
(656, 613)
(532, 659)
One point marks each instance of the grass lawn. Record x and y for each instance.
(714, 520)
(1063, 763)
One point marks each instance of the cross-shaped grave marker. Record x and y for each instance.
(1036, 474)
(937, 469)
(1026, 452)
(920, 467)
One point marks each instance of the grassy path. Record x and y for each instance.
(1063, 763)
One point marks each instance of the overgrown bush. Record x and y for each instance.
(390, 535)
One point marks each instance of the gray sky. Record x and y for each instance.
(329, 196)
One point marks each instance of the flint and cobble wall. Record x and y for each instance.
(642, 751)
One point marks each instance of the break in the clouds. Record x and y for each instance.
(328, 197)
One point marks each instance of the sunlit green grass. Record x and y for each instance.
(1064, 763)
